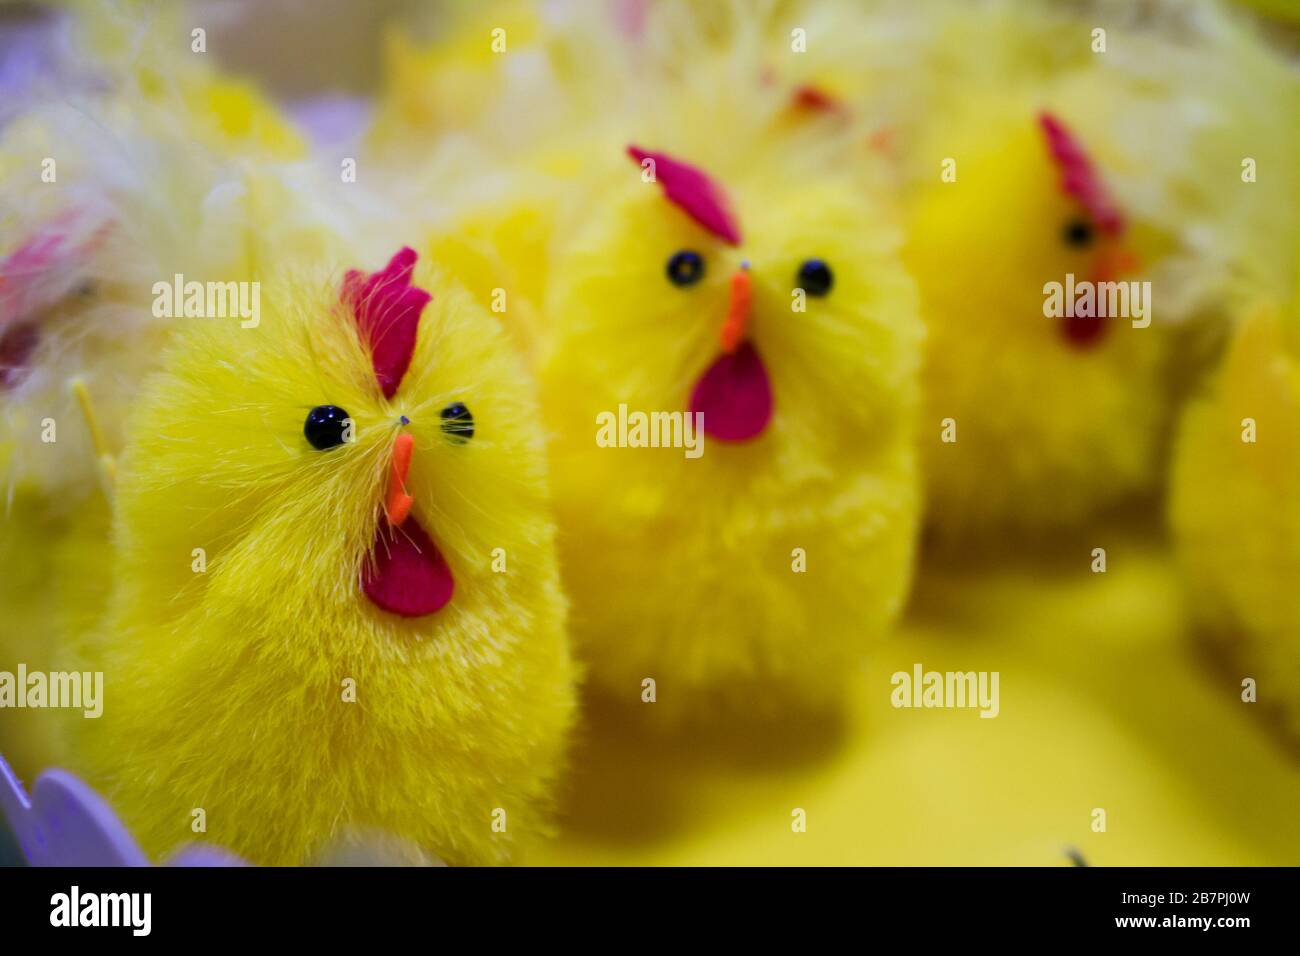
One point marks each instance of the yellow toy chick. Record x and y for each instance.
(502, 74)
(1076, 217)
(1235, 507)
(337, 603)
(723, 278)
(155, 59)
(448, 86)
(727, 346)
(80, 256)
(1036, 414)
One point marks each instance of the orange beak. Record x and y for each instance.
(733, 330)
(398, 504)
(1114, 261)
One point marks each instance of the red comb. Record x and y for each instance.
(1079, 177)
(387, 309)
(814, 98)
(694, 192)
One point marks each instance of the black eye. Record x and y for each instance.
(815, 277)
(458, 422)
(325, 426)
(685, 268)
(1078, 233)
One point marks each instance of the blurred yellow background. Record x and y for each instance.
(1105, 703)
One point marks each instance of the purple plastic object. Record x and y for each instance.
(65, 823)
(205, 854)
(332, 119)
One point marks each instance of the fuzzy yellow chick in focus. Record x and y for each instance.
(336, 603)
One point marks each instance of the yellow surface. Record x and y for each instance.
(1105, 702)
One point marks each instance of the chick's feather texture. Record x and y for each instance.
(103, 197)
(752, 577)
(688, 570)
(1235, 506)
(1028, 427)
(264, 687)
(134, 168)
(691, 570)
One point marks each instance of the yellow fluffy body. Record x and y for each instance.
(684, 570)
(1049, 435)
(1235, 506)
(150, 181)
(1046, 432)
(129, 214)
(190, 175)
(225, 690)
(449, 84)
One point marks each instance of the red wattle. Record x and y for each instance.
(1083, 331)
(408, 575)
(735, 396)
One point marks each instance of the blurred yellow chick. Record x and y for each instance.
(152, 54)
(1077, 211)
(106, 194)
(1235, 506)
(79, 255)
(448, 85)
(336, 603)
(754, 569)
(1114, 182)
(1032, 420)
(116, 213)
(728, 354)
